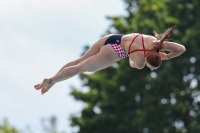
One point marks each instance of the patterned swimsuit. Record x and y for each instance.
(115, 42)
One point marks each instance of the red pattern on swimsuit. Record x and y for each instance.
(129, 52)
(119, 50)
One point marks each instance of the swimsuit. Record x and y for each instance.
(129, 52)
(115, 42)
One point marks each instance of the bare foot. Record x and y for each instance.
(45, 89)
(45, 85)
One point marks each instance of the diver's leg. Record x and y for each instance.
(94, 49)
(106, 57)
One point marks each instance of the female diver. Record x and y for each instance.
(140, 48)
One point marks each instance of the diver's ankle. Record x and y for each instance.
(50, 83)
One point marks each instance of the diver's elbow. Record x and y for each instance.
(182, 49)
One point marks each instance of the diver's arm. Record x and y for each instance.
(175, 50)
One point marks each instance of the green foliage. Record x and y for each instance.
(125, 100)
(5, 127)
(48, 125)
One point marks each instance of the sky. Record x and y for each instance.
(38, 37)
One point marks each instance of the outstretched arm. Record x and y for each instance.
(175, 50)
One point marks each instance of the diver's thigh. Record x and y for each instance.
(106, 57)
(95, 48)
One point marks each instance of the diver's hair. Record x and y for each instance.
(153, 57)
(162, 37)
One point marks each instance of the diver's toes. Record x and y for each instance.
(37, 87)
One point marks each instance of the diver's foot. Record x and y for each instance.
(46, 88)
(45, 83)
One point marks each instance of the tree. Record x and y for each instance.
(5, 127)
(48, 125)
(122, 99)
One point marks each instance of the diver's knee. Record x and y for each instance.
(79, 68)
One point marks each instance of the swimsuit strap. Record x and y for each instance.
(129, 52)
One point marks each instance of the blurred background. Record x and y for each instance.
(38, 37)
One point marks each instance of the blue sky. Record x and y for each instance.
(37, 37)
